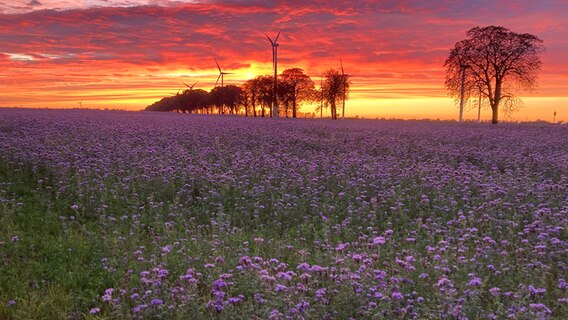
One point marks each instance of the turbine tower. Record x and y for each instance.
(275, 65)
(321, 100)
(221, 74)
(344, 77)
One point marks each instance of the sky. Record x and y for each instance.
(126, 54)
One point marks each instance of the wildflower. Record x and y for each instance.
(317, 269)
(11, 303)
(535, 291)
(280, 288)
(139, 308)
(494, 291)
(474, 282)
(397, 295)
(236, 300)
(379, 240)
(94, 310)
(156, 302)
(540, 307)
(275, 314)
(304, 267)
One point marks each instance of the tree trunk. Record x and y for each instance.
(494, 118)
(333, 113)
(495, 105)
(294, 109)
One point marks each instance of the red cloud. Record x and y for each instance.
(382, 43)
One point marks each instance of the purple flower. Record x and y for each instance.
(236, 300)
(494, 291)
(397, 295)
(535, 291)
(156, 302)
(139, 308)
(540, 307)
(275, 315)
(304, 267)
(95, 310)
(11, 303)
(320, 293)
(379, 240)
(280, 288)
(474, 282)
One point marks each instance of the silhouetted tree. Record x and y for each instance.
(250, 91)
(164, 104)
(264, 88)
(245, 99)
(232, 98)
(497, 61)
(296, 87)
(192, 100)
(333, 88)
(226, 97)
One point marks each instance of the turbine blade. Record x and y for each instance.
(217, 82)
(196, 82)
(277, 36)
(340, 61)
(186, 84)
(217, 63)
(269, 38)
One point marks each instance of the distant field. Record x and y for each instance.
(170, 216)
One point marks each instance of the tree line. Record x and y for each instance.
(255, 96)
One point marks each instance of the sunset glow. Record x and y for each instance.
(127, 54)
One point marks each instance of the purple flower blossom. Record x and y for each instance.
(536, 291)
(379, 240)
(397, 295)
(474, 282)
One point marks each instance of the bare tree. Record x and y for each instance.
(298, 87)
(494, 61)
(335, 87)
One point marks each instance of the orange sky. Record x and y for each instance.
(129, 53)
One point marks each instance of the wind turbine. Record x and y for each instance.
(321, 100)
(221, 73)
(344, 77)
(275, 65)
(190, 87)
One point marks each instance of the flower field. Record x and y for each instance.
(117, 215)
